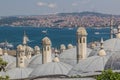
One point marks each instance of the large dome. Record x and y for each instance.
(19, 73)
(36, 60)
(113, 62)
(91, 64)
(69, 56)
(51, 69)
(13, 64)
(110, 46)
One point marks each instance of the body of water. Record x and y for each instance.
(58, 36)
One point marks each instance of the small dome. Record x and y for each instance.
(19, 73)
(46, 41)
(70, 46)
(56, 59)
(28, 48)
(81, 31)
(102, 52)
(62, 46)
(37, 48)
(51, 69)
(20, 47)
(93, 45)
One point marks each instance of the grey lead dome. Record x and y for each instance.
(91, 64)
(19, 73)
(50, 69)
(69, 56)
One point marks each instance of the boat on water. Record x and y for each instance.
(96, 33)
(44, 31)
(70, 28)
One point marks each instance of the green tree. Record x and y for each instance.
(108, 75)
(3, 64)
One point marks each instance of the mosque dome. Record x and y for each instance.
(81, 31)
(91, 64)
(46, 41)
(70, 46)
(37, 48)
(36, 60)
(13, 64)
(8, 58)
(113, 62)
(110, 46)
(19, 73)
(51, 69)
(102, 52)
(62, 46)
(69, 56)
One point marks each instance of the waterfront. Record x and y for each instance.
(58, 36)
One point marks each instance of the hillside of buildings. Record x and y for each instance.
(87, 19)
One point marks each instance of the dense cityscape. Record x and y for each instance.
(87, 19)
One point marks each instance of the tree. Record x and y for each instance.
(3, 64)
(108, 75)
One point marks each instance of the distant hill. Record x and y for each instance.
(87, 13)
(88, 19)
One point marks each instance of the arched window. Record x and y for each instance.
(45, 49)
(80, 40)
(48, 48)
(83, 40)
(21, 59)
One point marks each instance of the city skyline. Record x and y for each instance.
(43, 7)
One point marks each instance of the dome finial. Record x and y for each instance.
(56, 59)
(101, 43)
(25, 38)
(102, 51)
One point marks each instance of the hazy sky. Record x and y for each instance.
(39, 7)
